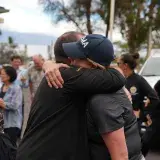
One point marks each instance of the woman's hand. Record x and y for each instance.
(137, 113)
(149, 120)
(53, 74)
(2, 104)
(146, 102)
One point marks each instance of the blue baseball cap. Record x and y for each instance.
(96, 47)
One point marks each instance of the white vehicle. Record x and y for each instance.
(151, 69)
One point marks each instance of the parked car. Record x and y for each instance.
(151, 69)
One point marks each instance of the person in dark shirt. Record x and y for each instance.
(110, 116)
(140, 89)
(136, 84)
(156, 138)
(56, 127)
(114, 112)
(157, 88)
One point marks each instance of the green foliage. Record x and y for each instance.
(122, 45)
(6, 52)
(133, 18)
(9, 49)
(10, 40)
(85, 14)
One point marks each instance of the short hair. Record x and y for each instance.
(67, 37)
(11, 72)
(39, 56)
(16, 57)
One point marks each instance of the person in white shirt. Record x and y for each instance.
(35, 74)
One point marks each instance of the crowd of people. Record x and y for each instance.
(13, 79)
(84, 106)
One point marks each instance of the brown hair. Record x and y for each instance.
(67, 37)
(11, 72)
(16, 57)
(130, 59)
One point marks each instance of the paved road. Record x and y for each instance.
(27, 103)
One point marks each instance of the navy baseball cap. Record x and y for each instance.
(96, 47)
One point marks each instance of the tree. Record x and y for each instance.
(84, 14)
(23, 53)
(124, 46)
(50, 51)
(135, 18)
(5, 53)
(7, 50)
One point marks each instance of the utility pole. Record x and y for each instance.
(149, 42)
(112, 10)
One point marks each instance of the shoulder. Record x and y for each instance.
(31, 69)
(99, 102)
(143, 82)
(87, 70)
(109, 71)
(76, 72)
(106, 112)
(15, 87)
(157, 84)
(92, 74)
(23, 70)
(138, 78)
(109, 102)
(70, 72)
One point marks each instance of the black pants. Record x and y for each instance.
(149, 136)
(7, 148)
(13, 133)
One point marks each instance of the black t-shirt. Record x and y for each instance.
(56, 128)
(139, 89)
(107, 113)
(157, 88)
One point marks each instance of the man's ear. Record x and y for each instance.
(70, 60)
(126, 65)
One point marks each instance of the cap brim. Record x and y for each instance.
(72, 50)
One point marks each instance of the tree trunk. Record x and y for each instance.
(107, 22)
(88, 17)
(132, 50)
(149, 43)
(107, 30)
